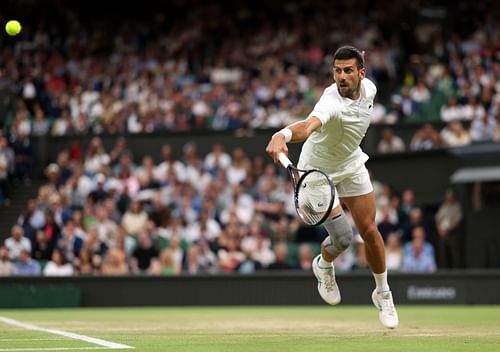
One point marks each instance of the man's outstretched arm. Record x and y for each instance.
(294, 133)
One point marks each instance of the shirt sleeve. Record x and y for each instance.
(325, 109)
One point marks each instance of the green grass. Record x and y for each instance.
(259, 329)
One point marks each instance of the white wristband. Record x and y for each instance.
(287, 133)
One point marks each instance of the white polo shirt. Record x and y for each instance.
(15, 247)
(334, 147)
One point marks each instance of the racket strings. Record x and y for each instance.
(314, 197)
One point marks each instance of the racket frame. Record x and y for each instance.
(297, 182)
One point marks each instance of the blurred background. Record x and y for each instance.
(132, 135)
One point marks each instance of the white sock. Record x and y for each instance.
(381, 282)
(323, 263)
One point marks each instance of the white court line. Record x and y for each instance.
(71, 335)
(47, 339)
(51, 349)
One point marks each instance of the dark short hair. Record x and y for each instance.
(347, 52)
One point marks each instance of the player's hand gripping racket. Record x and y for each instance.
(314, 193)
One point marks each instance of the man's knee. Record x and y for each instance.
(369, 233)
(340, 238)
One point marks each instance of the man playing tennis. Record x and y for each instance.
(332, 134)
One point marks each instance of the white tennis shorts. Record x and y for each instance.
(352, 184)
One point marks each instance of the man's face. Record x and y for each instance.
(17, 233)
(348, 77)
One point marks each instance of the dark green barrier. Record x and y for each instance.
(286, 288)
(40, 296)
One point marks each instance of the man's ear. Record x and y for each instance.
(362, 73)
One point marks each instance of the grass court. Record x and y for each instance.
(252, 329)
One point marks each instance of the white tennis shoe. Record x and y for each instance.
(327, 286)
(387, 312)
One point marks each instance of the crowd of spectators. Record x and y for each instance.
(100, 212)
(217, 67)
(180, 68)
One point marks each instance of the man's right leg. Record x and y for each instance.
(339, 239)
(363, 212)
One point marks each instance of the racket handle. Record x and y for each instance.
(284, 160)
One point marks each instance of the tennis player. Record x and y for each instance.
(332, 134)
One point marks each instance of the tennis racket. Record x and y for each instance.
(314, 193)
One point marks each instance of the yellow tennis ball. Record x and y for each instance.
(13, 27)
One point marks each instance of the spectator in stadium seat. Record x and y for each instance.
(386, 224)
(417, 260)
(6, 266)
(263, 252)
(92, 254)
(306, 256)
(16, 243)
(165, 265)
(419, 93)
(119, 149)
(134, 219)
(99, 193)
(269, 201)
(75, 151)
(169, 165)
(406, 205)
(419, 232)
(71, 241)
(24, 265)
(40, 123)
(239, 167)
(32, 217)
(126, 161)
(78, 187)
(452, 111)
(248, 265)
(454, 135)
(6, 169)
(157, 212)
(217, 159)
(379, 113)
(177, 244)
(394, 252)
(229, 252)
(42, 247)
(390, 143)
(65, 169)
(115, 263)
(96, 157)
(207, 260)
(63, 125)
(425, 138)
(416, 219)
(52, 173)
(281, 257)
(395, 113)
(205, 228)
(58, 266)
(473, 109)
(106, 228)
(483, 129)
(145, 173)
(408, 106)
(240, 204)
(448, 219)
(144, 253)
(23, 153)
(84, 264)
